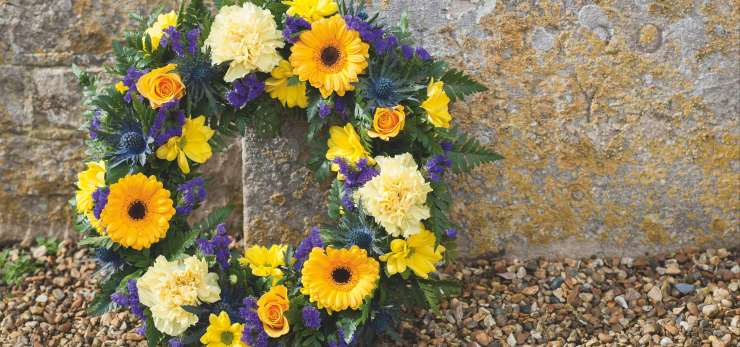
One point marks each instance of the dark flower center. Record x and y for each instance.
(133, 142)
(329, 55)
(137, 210)
(227, 337)
(383, 87)
(341, 275)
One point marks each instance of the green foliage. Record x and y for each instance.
(439, 202)
(335, 199)
(14, 266)
(457, 85)
(153, 336)
(467, 153)
(216, 217)
(433, 290)
(51, 244)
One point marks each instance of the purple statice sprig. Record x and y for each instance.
(157, 131)
(410, 52)
(254, 334)
(451, 233)
(355, 176)
(95, 124)
(245, 90)
(218, 246)
(304, 248)
(437, 165)
(130, 300)
(324, 109)
(192, 192)
(173, 38)
(100, 199)
(292, 28)
(311, 317)
(193, 36)
(132, 76)
(368, 32)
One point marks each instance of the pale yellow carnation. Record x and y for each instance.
(247, 37)
(168, 285)
(397, 196)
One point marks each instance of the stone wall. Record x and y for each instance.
(618, 120)
(40, 144)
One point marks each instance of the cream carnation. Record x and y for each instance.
(168, 285)
(248, 37)
(397, 196)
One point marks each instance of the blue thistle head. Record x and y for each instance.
(356, 230)
(381, 91)
(131, 144)
(108, 260)
(361, 236)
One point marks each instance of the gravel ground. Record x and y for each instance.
(689, 298)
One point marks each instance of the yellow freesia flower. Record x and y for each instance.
(265, 262)
(156, 31)
(437, 105)
(279, 86)
(221, 333)
(312, 10)
(417, 253)
(344, 142)
(193, 144)
(121, 88)
(88, 182)
(397, 197)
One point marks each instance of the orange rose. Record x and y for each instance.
(161, 86)
(387, 122)
(271, 308)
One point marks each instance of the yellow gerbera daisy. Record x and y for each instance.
(311, 10)
(337, 279)
(265, 262)
(330, 56)
(437, 105)
(138, 211)
(221, 333)
(193, 144)
(88, 182)
(417, 253)
(285, 87)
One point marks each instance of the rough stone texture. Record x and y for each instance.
(40, 144)
(618, 121)
(282, 200)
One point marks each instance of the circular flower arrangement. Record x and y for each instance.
(378, 126)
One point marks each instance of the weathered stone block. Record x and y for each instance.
(618, 121)
(282, 200)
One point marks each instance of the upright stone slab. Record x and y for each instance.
(618, 121)
(281, 198)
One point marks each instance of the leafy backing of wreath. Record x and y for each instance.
(379, 126)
